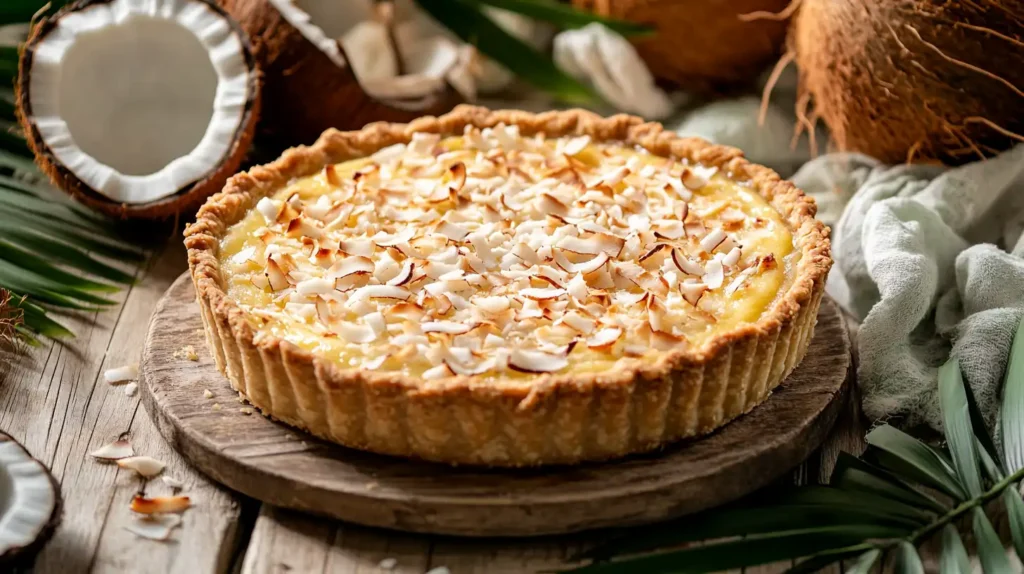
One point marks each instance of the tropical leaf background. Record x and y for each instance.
(876, 511)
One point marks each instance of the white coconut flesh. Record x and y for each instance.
(140, 99)
(371, 56)
(27, 497)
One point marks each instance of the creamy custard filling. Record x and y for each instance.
(496, 255)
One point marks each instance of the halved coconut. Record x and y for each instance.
(139, 109)
(302, 54)
(30, 505)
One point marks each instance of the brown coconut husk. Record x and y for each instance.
(187, 199)
(306, 93)
(703, 45)
(914, 80)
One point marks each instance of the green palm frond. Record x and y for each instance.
(54, 254)
(878, 509)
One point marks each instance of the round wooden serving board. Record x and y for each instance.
(286, 467)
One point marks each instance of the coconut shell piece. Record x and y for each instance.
(702, 45)
(31, 503)
(189, 196)
(913, 80)
(307, 92)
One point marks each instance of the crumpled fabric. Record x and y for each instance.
(931, 261)
(611, 66)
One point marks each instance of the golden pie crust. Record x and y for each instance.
(554, 418)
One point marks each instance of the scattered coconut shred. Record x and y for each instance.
(123, 374)
(187, 352)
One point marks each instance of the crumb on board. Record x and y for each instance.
(246, 410)
(187, 352)
(388, 564)
(131, 389)
(216, 406)
(207, 393)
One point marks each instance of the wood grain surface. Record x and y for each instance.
(197, 411)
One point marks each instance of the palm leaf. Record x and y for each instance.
(1012, 414)
(852, 473)
(864, 563)
(990, 549)
(953, 558)
(956, 419)
(907, 559)
(913, 459)
(18, 11)
(566, 16)
(749, 551)
(466, 20)
(1015, 515)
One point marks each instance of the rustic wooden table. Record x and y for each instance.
(54, 400)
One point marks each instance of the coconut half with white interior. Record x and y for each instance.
(139, 109)
(29, 502)
(335, 64)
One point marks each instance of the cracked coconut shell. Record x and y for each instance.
(914, 80)
(139, 110)
(310, 85)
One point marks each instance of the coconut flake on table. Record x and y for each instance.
(156, 527)
(121, 374)
(116, 450)
(145, 466)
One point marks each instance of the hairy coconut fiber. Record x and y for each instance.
(702, 45)
(10, 318)
(305, 92)
(914, 80)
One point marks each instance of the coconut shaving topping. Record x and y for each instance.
(496, 254)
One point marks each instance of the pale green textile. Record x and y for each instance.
(929, 260)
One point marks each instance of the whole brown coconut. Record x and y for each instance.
(702, 45)
(914, 80)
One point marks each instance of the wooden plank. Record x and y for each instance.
(56, 402)
(286, 541)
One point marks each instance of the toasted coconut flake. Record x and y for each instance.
(275, 276)
(732, 258)
(714, 274)
(269, 208)
(160, 504)
(663, 341)
(536, 361)
(158, 527)
(578, 287)
(713, 239)
(404, 275)
(410, 311)
(121, 374)
(682, 211)
(447, 327)
(145, 466)
(356, 333)
(382, 239)
(653, 251)
(594, 264)
(738, 281)
(452, 231)
(696, 177)
(695, 229)
(605, 339)
(331, 175)
(438, 372)
(377, 362)
(357, 247)
(468, 370)
(684, 264)
(116, 450)
(669, 228)
(577, 321)
(692, 291)
(458, 174)
(576, 145)
(542, 293)
(314, 286)
(494, 304)
(382, 292)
